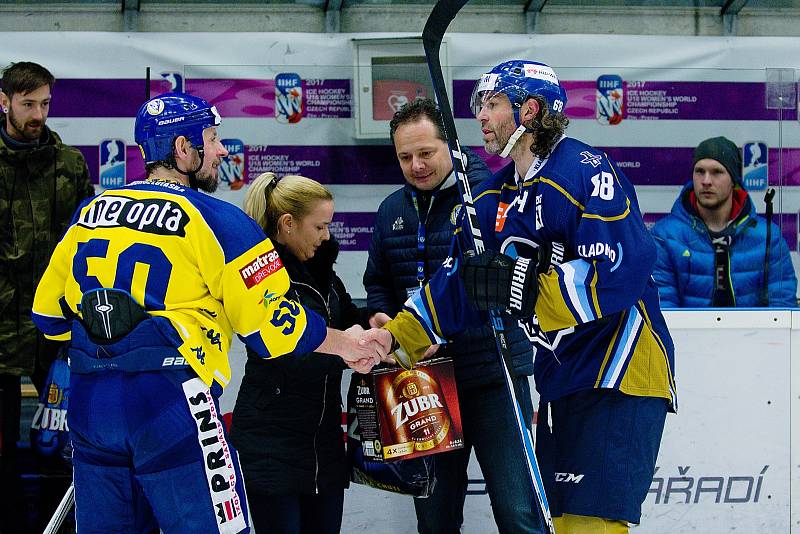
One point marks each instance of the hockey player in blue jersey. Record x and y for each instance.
(149, 284)
(568, 254)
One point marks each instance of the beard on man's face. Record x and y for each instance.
(31, 130)
(207, 185)
(206, 181)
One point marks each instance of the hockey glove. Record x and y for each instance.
(494, 281)
(411, 342)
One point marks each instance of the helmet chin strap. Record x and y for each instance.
(192, 175)
(513, 140)
(521, 129)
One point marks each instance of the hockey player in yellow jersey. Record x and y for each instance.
(149, 283)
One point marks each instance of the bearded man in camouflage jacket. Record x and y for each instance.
(42, 182)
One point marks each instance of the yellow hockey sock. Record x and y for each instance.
(582, 524)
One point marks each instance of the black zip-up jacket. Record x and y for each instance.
(392, 272)
(287, 423)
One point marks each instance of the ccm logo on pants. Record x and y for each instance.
(218, 462)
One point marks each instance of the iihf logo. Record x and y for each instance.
(288, 98)
(609, 99)
(232, 172)
(755, 175)
(175, 81)
(112, 163)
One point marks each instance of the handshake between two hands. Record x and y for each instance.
(370, 347)
(363, 349)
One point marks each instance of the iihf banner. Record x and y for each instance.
(287, 102)
(729, 459)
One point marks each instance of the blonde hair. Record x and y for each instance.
(269, 197)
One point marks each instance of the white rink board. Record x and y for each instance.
(733, 424)
(733, 433)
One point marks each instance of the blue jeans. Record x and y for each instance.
(489, 427)
(297, 514)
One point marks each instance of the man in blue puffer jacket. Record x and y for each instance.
(413, 232)
(712, 247)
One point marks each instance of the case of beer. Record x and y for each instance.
(406, 414)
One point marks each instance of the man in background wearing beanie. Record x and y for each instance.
(712, 247)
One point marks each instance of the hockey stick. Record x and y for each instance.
(440, 18)
(768, 215)
(61, 512)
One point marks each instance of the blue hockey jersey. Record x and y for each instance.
(189, 258)
(598, 323)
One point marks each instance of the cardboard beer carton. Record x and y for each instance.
(406, 414)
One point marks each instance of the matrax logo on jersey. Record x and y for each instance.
(260, 268)
(152, 215)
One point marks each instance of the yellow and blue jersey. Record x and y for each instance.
(598, 323)
(195, 260)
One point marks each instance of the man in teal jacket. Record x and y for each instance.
(712, 248)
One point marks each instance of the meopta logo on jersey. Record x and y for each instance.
(500, 218)
(152, 215)
(260, 268)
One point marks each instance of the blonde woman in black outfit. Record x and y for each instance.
(287, 420)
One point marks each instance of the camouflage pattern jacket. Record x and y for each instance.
(40, 189)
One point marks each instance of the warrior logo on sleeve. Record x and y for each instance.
(519, 247)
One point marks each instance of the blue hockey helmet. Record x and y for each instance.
(160, 120)
(519, 79)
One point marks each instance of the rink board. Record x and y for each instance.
(726, 459)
